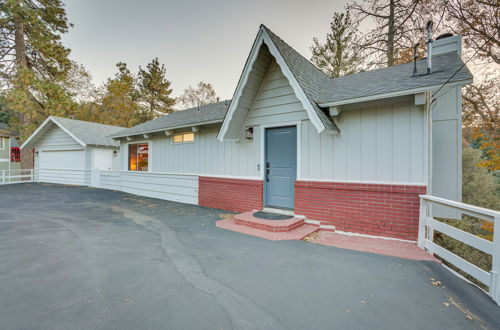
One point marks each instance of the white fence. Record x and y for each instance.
(17, 176)
(428, 225)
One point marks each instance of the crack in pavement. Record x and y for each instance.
(243, 313)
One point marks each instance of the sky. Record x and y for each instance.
(196, 40)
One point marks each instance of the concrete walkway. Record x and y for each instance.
(395, 248)
(83, 258)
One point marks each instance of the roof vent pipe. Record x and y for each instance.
(429, 46)
(415, 57)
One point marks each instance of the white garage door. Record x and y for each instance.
(64, 166)
(67, 159)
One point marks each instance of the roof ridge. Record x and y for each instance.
(85, 121)
(293, 49)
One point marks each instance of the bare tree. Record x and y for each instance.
(203, 94)
(395, 28)
(479, 21)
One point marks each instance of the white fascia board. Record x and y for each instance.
(263, 38)
(299, 92)
(68, 132)
(160, 130)
(252, 57)
(35, 133)
(46, 122)
(394, 94)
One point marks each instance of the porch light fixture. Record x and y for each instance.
(249, 133)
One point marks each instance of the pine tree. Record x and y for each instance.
(154, 90)
(34, 61)
(120, 102)
(338, 56)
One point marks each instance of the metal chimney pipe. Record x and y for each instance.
(415, 57)
(429, 46)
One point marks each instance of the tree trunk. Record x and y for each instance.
(390, 35)
(20, 46)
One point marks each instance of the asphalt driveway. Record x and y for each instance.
(84, 258)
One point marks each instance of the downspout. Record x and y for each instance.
(428, 111)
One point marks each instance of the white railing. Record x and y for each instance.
(428, 225)
(17, 176)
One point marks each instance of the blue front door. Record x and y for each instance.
(280, 166)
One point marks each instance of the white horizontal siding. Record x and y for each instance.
(109, 180)
(178, 188)
(64, 176)
(55, 139)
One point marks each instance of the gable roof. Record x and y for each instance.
(301, 74)
(310, 78)
(5, 132)
(207, 114)
(83, 132)
(313, 88)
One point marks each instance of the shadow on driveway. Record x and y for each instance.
(84, 258)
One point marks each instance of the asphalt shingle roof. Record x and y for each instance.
(320, 89)
(90, 132)
(310, 78)
(394, 79)
(210, 113)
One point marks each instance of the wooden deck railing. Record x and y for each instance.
(428, 225)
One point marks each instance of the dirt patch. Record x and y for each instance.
(312, 237)
(227, 216)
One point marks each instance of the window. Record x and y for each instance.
(183, 137)
(15, 154)
(1, 142)
(138, 155)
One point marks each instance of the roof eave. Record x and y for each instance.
(209, 122)
(394, 94)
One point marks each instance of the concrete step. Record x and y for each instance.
(247, 219)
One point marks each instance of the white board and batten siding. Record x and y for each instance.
(379, 144)
(447, 150)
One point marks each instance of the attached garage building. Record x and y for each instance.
(67, 150)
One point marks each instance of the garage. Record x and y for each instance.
(66, 150)
(64, 159)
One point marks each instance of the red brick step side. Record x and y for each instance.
(247, 219)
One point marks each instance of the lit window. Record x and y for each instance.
(138, 157)
(183, 137)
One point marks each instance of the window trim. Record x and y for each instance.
(150, 156)
(182, 133)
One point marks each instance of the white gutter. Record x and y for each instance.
(393, 94)
(170, 128)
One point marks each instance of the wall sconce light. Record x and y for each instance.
(115, 153)
(249, 133)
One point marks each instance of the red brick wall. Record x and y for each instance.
(230, 194)
(373, 209)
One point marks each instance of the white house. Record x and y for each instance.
(66, 150)
(352, 152)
